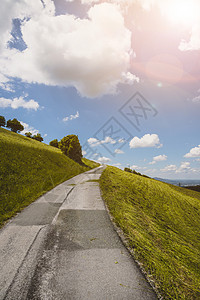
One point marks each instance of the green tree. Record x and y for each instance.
(71, 147)
(28, 134)
(15, 125)
(54, 143)
(38, 137)
(128, 170)
(2, 121)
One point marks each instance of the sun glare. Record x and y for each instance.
(182, 11)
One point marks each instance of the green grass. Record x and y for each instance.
(162, 225)
(28, 169)
(91, 164)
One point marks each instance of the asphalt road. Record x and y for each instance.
(64, 246)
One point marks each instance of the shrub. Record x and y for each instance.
(54, 143)
(28, 134)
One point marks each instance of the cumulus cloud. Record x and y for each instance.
(183, 168)
(71, 117)
(28, 128)
(93, 142)
(5, 83)
(91, 54)
(103, 160)
(169, 168)
(158, 158)
(194, 152)
(19, 102)
(148, 140)
(167, 9)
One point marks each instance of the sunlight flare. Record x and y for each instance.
(182, 11)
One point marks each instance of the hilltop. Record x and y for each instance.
(28, 169)
(162, 225)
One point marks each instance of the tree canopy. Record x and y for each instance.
(54, 143)
(38, 137)
(28, 134)
(15, 125)
(71, 147)
(2, 121)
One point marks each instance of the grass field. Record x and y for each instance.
(162, 225)
(28, 169)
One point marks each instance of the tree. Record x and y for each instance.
(38, 137)
(71, 147)
(54, 143)
(2, 121)
(15, 125)
(28, 134)
(128, 170)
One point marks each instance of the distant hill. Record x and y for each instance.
(194, 188)
(28, 169)
(182, 182)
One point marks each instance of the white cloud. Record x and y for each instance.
(117, 165)
(196, 99)
(28, 128)
(194, 152)
(188, 13)
(92, 141)
(135, 167)
(119, 151)
(95, 142)
(19, 102)
(121, 141)
(184, 167)
(158, 158)
(84, 152)
(148, 140)
(71, 117)
(91, 54)
(19, 9)
(5, 83)
(103, 160)
(169, 168)
(194, 42)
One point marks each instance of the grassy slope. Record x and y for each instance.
(162, 223)
(28, 169)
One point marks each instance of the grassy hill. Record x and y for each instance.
(162, 225)
(28, 169)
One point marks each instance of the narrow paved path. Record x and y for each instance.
(64, 246)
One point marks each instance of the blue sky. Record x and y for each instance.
(122, 75)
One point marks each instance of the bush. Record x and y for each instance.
(38, 137)
(2, 121)
(128, 170)
(28, 134)
(134, 172)
(71, 147)
(54, 143)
